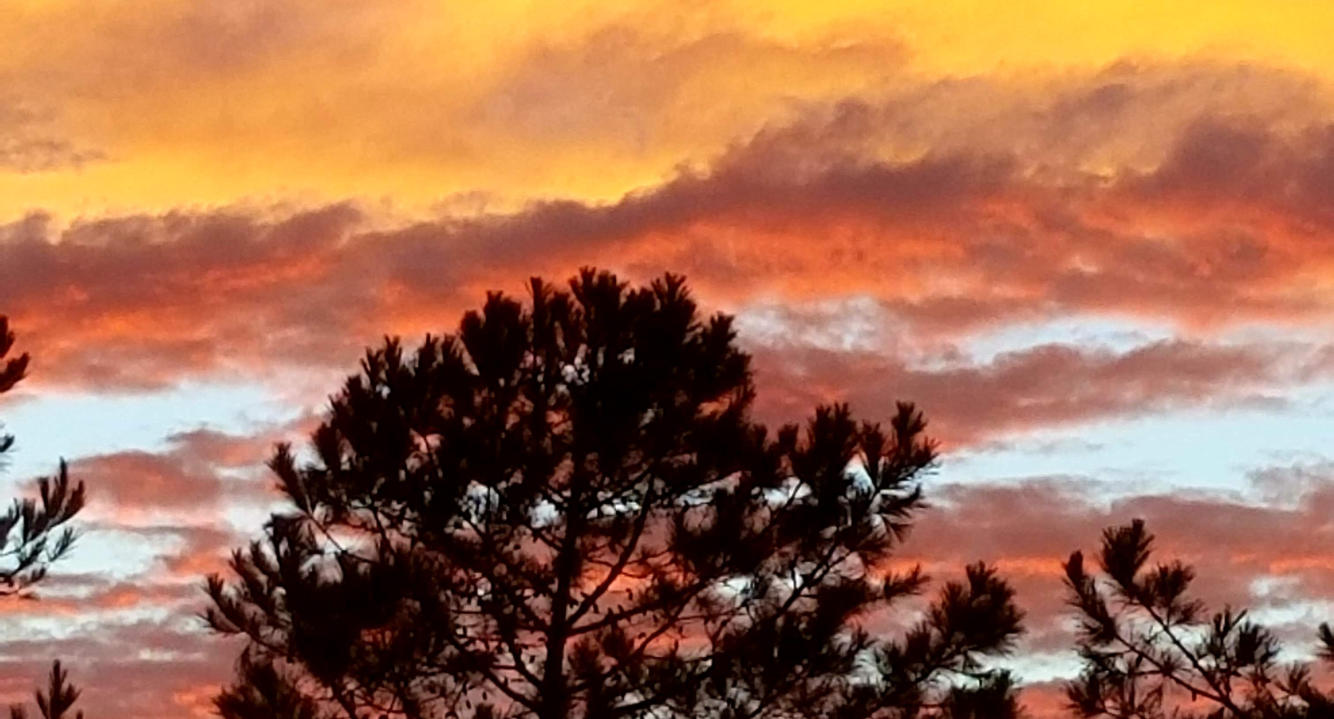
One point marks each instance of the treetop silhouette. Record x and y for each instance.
(57, 702)
(33, 532)
(1149, 649)
(33, 535)
(564, 509)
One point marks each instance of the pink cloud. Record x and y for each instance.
(1044, 385)
(948, 243)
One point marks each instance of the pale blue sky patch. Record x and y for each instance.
(1088, 331)
(52, 425)
(1208, 448)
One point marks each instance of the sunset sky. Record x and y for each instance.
(1094, 241)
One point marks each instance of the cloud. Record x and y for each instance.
(40, 154)
(654, 91)
(1039, 386)
(200, 471)
(1229, 228)
(164, 666)
(31, 141)
(133, 301)
(139, 480)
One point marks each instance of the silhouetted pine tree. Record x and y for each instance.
(262, 691)
(33, 532)
(13, 368)
(57, 702)
(564, 510)
(1150, 650)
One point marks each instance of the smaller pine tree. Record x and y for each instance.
(1150, 649)
(57, 702)
(34, 533)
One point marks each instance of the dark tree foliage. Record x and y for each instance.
(12, 369)
(57, 702)
(564, 510)
(263, 691)
(1150, 650)
(993, 698)
(33, 532)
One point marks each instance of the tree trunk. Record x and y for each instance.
(554, 702)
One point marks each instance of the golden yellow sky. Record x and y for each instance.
(201, 104)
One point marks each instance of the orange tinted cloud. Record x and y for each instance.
(1044, 385)
(197, 475)
(137, 668)
(1228, 229)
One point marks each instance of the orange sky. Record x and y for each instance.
(159, 105)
